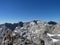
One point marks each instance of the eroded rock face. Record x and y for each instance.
(32, 33)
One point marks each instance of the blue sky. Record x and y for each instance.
(27, 10)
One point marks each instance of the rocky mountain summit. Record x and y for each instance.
(30, 33)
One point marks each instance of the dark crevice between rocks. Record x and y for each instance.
(42, 42)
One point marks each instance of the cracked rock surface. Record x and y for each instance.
(30, 33)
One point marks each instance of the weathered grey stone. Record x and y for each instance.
(32, 33)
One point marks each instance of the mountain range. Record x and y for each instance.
(30, 33)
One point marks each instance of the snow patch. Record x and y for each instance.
(50, 34)
(13, 34)
(54, 40)
(57, 34)
(15, 30)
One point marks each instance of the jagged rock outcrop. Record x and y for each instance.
(31, 33)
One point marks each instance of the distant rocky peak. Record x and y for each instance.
(52, 23)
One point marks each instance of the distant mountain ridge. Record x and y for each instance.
(30, 33)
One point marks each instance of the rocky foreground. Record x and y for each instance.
(30, 33)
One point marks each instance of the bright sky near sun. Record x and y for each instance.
(27, 10)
